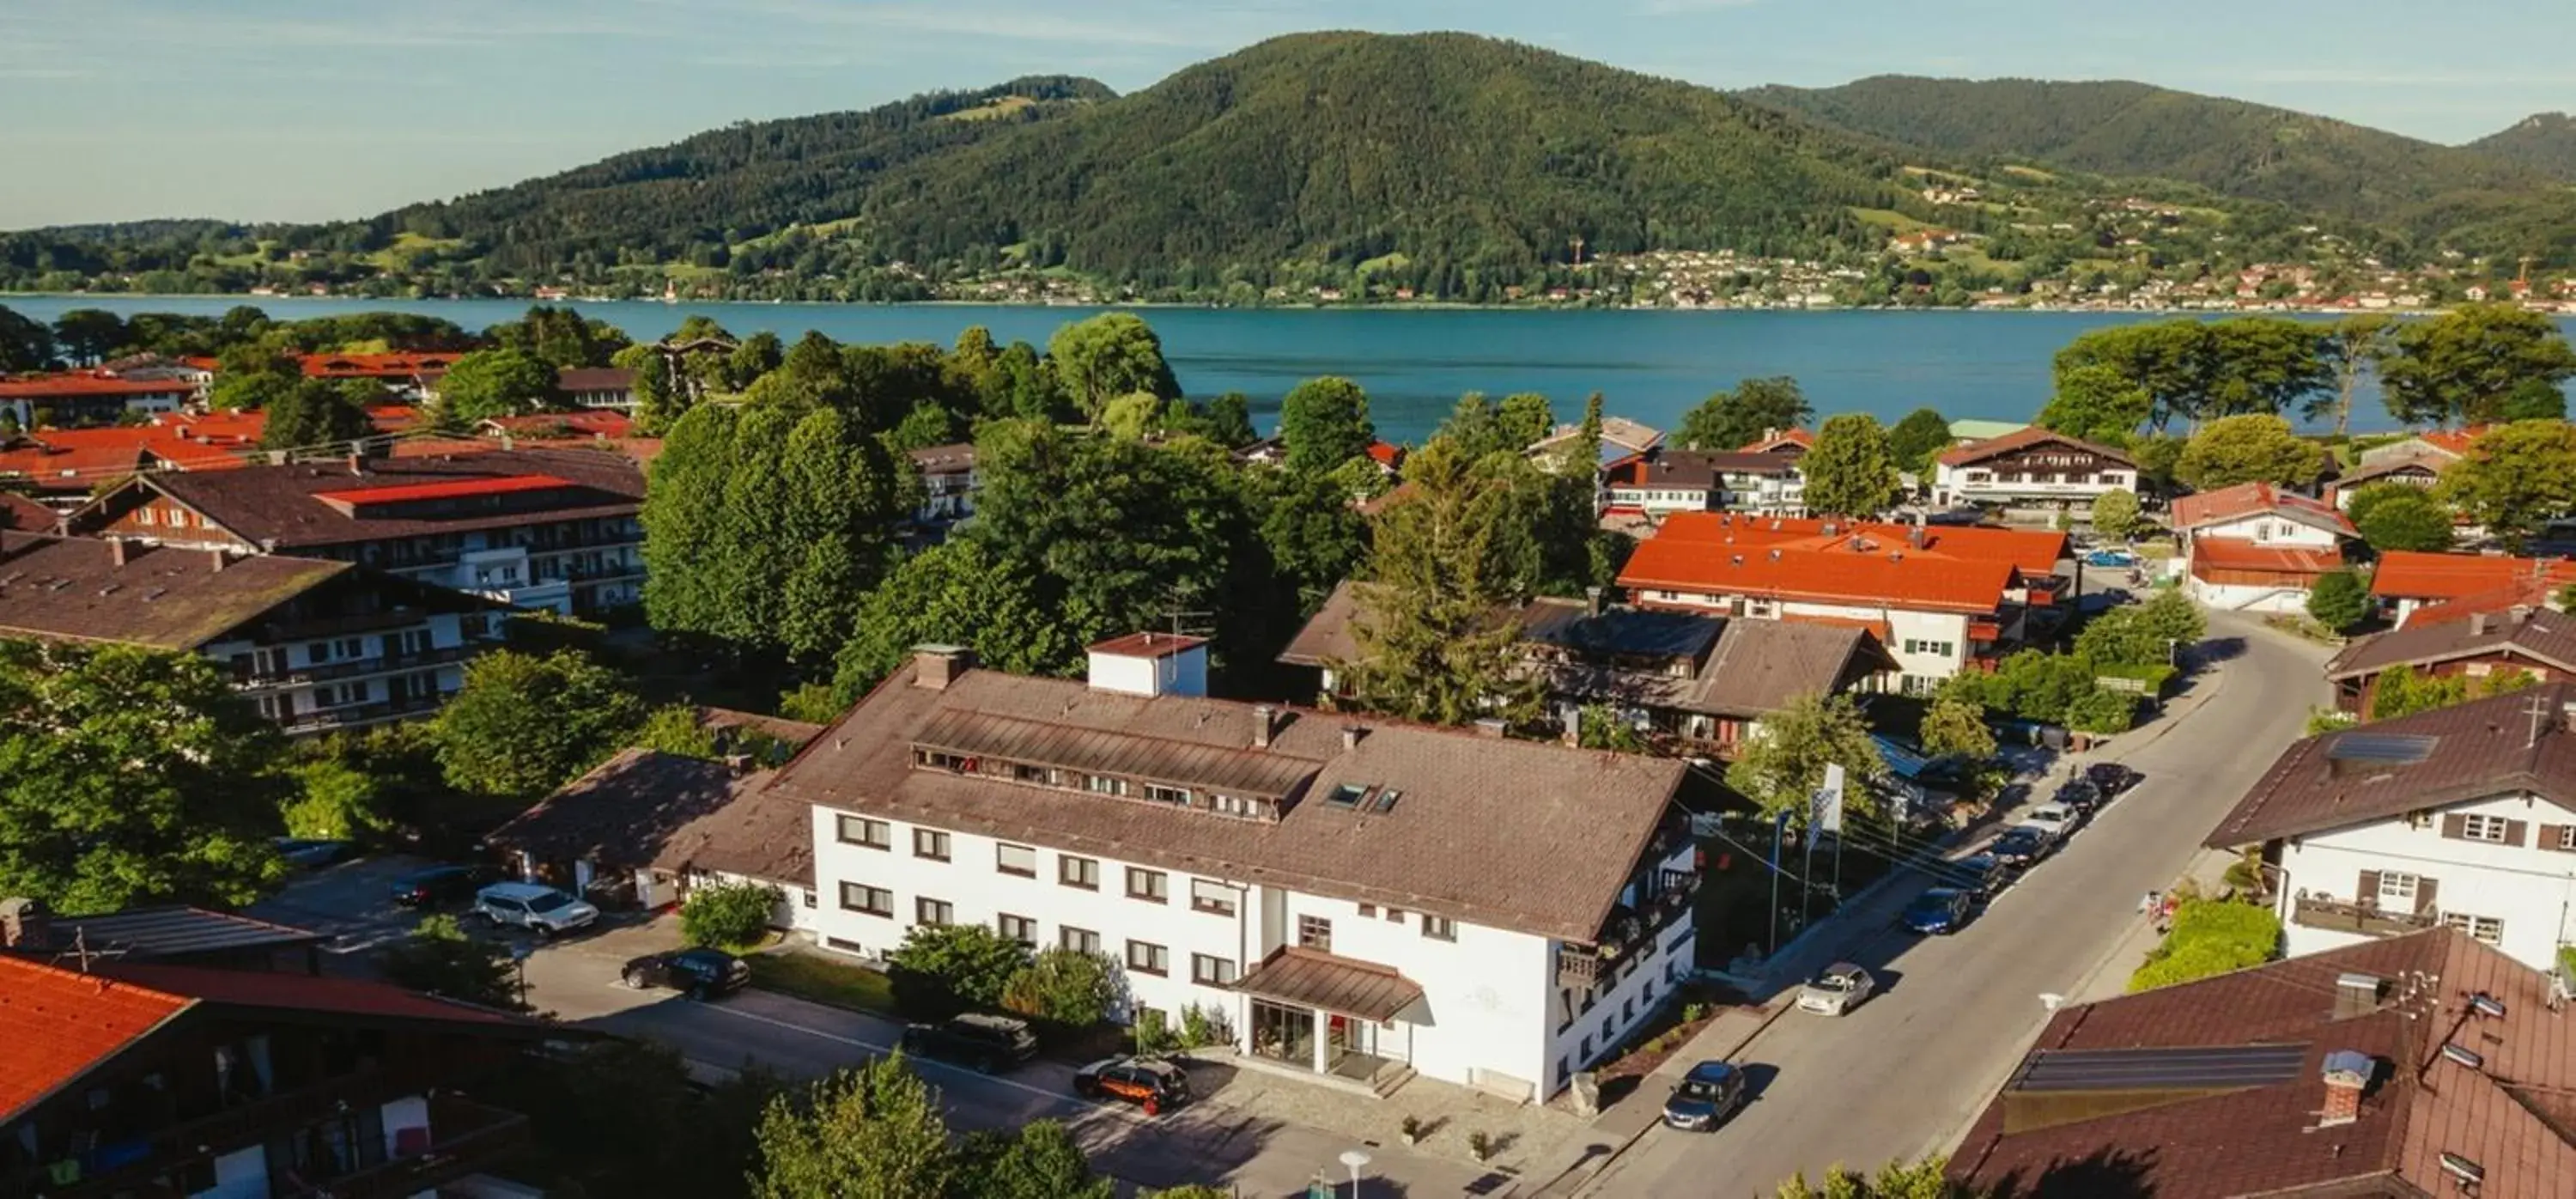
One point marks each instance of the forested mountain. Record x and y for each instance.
(2543, 141)
(2138, 130)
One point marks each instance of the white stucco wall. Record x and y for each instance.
(2263, 528)
(2530, 887)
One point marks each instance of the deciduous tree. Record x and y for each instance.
(312, 414)
(2339, 600)
(2096, 402)
(490, 383)
(1107, 356)
(88, 335)
(1730, 420)
(2460, 367)
(2515, 479)
(1784, 761)
(1955, 728)
(439, 958)
(1918, 440)
(2247, 449)
(2115, 514)
(25, 343)
(1851, 471)
(2352, 348)
(1324, 423)
(954, 593)
(872, 1131)
(1525, 419)
(2396, 516)
(940, 970)
(524, 725)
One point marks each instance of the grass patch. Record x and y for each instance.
(818, 979)
(1003, 106)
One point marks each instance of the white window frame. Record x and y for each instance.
(2398, 889)
(2489, 929)
(2478, 826)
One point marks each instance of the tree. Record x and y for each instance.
(2534, 399)
(2172, 617)
(523, 725)
(1900, 1179)
(1918, 440)
(131, 776)
(2460, 367)
(2195, 371)
(1429, 646)
(728, 915)
(559, 337)
(1064, 987)
(2515, 479)
(2247, 449)
(1525, 420)
(253, 378)
(1324, 423)
(955, 593)
(1107, 356)
(89, 335)
(943, 969)
(2097, 403)
(2121, 637)
(2157, 457)
(1315, 535)
(1130, 416)
(25, 344)
(2339, 600)
(2396, 516)
(335, 801)
(2210, 937)
(1475, 427)
(1784, 762)
(1598, 726)
(2115, 514)
(869, 1132)
(1730, 420)
(626, 1117)
(312, 414)
(490, 383)
(676, 730)
(2352, 347)
(1851, 471)
(441, 959)
(1038, 1161)
(1954, 728)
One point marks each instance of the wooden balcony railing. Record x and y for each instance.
(2326, 912)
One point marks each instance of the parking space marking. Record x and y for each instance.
(856, 1043)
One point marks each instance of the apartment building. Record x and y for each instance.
(554, 528)
(1359, 900)
(89, 397)
(1663, 481)
(2031, 467)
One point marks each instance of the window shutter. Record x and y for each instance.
(2366, 893)
(2552, 836)
(2514, 830)
(2425, 889)
(2455, 825)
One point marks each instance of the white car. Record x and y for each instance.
(1839, 989)
(539, 909)
(2056, 820)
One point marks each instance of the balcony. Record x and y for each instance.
(136, 1159)
(2326, 912)
(359, 714)
(463, 1138)
(1630, 933)
(302, 676)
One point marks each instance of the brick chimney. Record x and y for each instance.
(936, 666)
(2347, 1074)
(25, 925)
(116, 551)
(357, 464)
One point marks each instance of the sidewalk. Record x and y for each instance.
(2110, 976)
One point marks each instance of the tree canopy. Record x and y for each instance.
(2398, 516)
(2339, 601)
(1784, 762)
(311, 413)
(1918, 440)
(2247, 449)
(502, 382)
(2097, 402)
(1730, 420)
(524, 725)
(2515, 479)
(1107, 356)
(1324, 423)
(1852, 470)
(2193, 371)
(2461, 367)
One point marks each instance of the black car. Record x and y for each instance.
(1155, 1086)
(2080, 796)
(2111, 778)
(1941, 910)
(442, 884)
(2019, 847)
(702, 973)
(1705, 1097)
(987, 1043)
(1981, 875)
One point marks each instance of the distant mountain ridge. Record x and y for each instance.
(2544, 142)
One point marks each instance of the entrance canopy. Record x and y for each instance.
(1322, 981)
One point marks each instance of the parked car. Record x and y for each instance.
(442, 885)
(2057, 821)
(1705, 1097)
(2111, 557)
(539, 909)
(2080, 795)
(1157, 1087)
(987, 1043)
(702, 973)
(306, 853)
(1839, 989)
(1981, 875)
(2111, 778)
(1941, 910)
(2020, 847)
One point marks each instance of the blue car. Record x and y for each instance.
(1939, 910)
(2117, 558)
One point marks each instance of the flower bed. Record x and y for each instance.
(1671, 1028)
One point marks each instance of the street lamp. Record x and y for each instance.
(1354, 1159)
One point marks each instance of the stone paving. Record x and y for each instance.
(1525, 1133)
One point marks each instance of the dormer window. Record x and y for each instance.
(1170, 795)
(1102, 784)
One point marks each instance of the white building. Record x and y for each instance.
(947, 483)
(2031, 467)
(2257, 548)
(2464, 816)
(1663, 481)
(1358, 900)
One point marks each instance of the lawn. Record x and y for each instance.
(813, 977)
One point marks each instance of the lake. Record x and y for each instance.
(1649, 365)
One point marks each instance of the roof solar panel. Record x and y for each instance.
(2396, 748)
(2194, 1068)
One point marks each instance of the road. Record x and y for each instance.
(1906, 1073)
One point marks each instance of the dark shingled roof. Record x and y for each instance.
(756, 834)
(172, 932)
(621, 814)
(1331, 983)
(2188, 1136)
(1519, 835)
(1692, 469)
(72, 589)
(276, 503)
(2545, 637)
(2477, 750)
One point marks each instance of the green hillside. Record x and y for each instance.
(2543, 142)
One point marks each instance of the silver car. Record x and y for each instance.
(1839, 989)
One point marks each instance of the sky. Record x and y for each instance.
(320, 109)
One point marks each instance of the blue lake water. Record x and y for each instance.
(1649, 365)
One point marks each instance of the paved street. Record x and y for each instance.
(1905, 1073)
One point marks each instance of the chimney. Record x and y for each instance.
(357, 465)
(2347, 1074)
(116, 551)
(1491, 726)
(2520, 613)
(219, 558)
(1351, 734)
(2356, 994)
(1592, 601)
(25, 925)
(508, 442)
(936, 666)
(2477, 624)
(1914, 536)
(1265, 725)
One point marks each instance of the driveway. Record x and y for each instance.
(1905, 1074)
(351, 900)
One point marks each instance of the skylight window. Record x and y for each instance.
(1347, 795)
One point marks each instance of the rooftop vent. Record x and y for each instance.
(2464, 1055)
(2468, 1172)
(2357, 994)
(1351, 734)
(2487, 1005)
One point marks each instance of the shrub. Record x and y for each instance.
(1064, 987)
(1202, 1026)
(2210, 937)
(2339, 600)
(441, 959)
(941, 970)
(728, 914)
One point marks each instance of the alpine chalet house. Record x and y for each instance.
(947, 484)
(2475, 645)
(1663, 481)
(2462, 816)
(314, 644)
(1700, 681)
(89, 398)
(412, 378)
(1362, 900)
(553, 529)
(1938, 597)
(2406, 582)
(2031, 468)
(594, 387)
(2254, 547)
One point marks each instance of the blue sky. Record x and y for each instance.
(310, 109)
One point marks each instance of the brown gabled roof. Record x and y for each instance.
(72, 589)
(2205, 508)
(2185, 1135)
(2471, 751)
(1520, 835)
(26, 515)
(2023, 438)
(2373, 469)
(944, 459)
(1690, 469)
(623, 813)
(755, 834)
(595, 378)
(281, 504)
(2544, 636)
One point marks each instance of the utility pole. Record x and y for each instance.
(1779, 825)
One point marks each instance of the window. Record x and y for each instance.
(1148, 885)
(1367, 910)
(2566, 838)
(1439, 928)
(1016, 859)
(1016, 928)
(1101, 784)
(1147, 958)
(1395, 915)
(1583, 1048)
(809, 897)
(1171, 795)
(859, 830)
(2397, 890)
(1078, 872)
(1080, 940)
(1040, 775)
(2485, 928)
(2483, 828)
(867, 900)
(1316, 933)
(926, 910)
(1212, 897)
(930, 843)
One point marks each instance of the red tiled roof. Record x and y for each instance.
(2033, 552)
(594, 423)
(1387, 454)
(1798, 438)
(56, 1024)
(2532, 593)
(24, 515)
(76, 386)
(505, 485)
(393, 418)
(2230, 553)
(2249, 499)
(2454, 442)
(1895, 576)
(2406, 574)
(376, 366)
(2023, 438)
